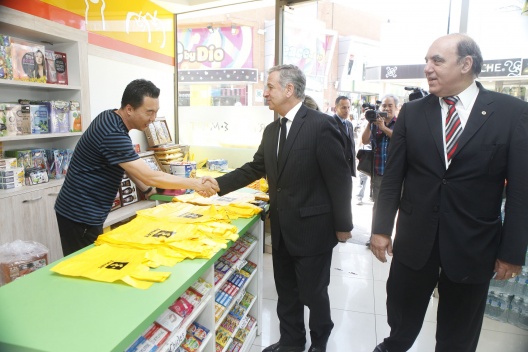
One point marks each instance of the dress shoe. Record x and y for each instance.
(276, 347)
(381, 348)
(317, 349)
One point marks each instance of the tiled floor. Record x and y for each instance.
(357, 295)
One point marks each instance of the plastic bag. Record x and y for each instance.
(19, 258)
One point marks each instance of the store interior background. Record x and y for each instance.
(226, 120)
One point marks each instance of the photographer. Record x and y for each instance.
(379, 132)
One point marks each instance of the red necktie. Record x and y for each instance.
(453, 127)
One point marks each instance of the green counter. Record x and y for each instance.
(44, 311)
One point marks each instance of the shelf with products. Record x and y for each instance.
(133, 310)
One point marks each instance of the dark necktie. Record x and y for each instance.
(453, 127)
(282, 140)
(346, 126)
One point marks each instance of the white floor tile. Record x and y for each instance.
(493, 341)
(357, 297)
(351, 264)
(351, 294)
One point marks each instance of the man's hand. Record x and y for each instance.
(505, 271)
(343, 236)
(207, 186)
(379, 245)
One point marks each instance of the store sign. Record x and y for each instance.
(504, 67)
(222, 47)
(490, 68)
(221, 75)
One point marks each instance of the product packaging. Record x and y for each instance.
(29, 63)
(59, 112)
(6, 66)
(39, 118)
(19, 258)
(75, 117)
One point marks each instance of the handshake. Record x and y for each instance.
(206, 186)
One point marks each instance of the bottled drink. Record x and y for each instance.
(523, 317)
(489, 304)
(502, 307)
(515, 310)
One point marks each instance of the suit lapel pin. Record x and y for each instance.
(483, 113)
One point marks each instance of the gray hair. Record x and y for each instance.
(468, 47)
(395, 98)
(291, 74)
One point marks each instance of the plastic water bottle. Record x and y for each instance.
(515, 310)
(521, 288)
(502, 307)
(510, 285)
(489, 310)
(523, 317)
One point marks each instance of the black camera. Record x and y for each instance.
(417, 93)
(372, 112)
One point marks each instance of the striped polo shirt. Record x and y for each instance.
(94, 174)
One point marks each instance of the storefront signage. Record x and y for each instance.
(215, 48)
(220, 75)
(504, 67)
(491, 68)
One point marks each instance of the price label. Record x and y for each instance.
(241, 295)
(240, 264)
(177, 339)
(243, 322)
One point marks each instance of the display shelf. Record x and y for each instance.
(5, 193)
(178, 336)
(236, 299)
(250, 338)
(35, 85)
(75, 310)
(241, 325)
(39, 136)
(237, 266)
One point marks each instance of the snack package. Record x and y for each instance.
(182, 307)
(59, 112)
(198, 331)
(6, 66)
(39, 118)
(75, 117)
(61, 67)
(19, 258)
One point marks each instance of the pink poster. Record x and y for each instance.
(215, 47)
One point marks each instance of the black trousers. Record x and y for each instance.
(460, 308)
(302, 281)
(75, 235)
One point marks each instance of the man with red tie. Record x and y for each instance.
(449, 157)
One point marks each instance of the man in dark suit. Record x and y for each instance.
(310, 211)
(449, 157)
(342, 109)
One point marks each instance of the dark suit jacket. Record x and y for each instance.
(463, 203)
(309, 189)
(350, 146)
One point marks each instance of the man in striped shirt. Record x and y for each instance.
(102, 156)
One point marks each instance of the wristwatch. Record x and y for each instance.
(147, 191)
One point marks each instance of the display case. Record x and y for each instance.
(44, 311)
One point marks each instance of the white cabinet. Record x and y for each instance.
(27, 212)
(29, 216)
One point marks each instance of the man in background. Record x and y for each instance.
(378, 134)
(450, 155)
(102, 155)
(342, 112)
(301, 154)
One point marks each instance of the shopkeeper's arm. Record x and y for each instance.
(143, 175)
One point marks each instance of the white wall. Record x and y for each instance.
(110, 72)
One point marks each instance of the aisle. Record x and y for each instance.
(357, 296)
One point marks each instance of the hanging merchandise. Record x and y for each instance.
(112, 264)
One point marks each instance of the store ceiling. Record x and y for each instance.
(183, 6)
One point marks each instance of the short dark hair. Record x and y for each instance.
(136, 90)
(339, 98)
(291, 74)
(468, 47)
